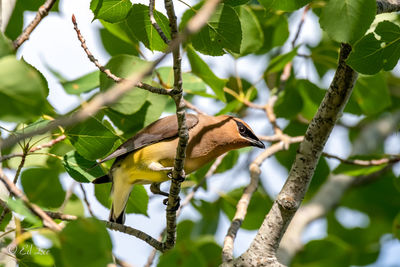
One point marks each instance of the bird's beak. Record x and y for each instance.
(258, 143)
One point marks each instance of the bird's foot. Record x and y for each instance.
(155, 189)
(176, 207)
(180, 178)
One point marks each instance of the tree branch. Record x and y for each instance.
(107, 72)
(42, 12)
(34, 149)
(155, 24)
(333, 189)
(241, 208)
(370, 162)
(387, 6)
(262, 250)
(178, 175)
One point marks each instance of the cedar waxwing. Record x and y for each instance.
(148, 157)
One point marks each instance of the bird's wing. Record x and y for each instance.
(162, 129)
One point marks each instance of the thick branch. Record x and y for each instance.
(263, 248)
(242, 205)
(386, 6)
(333, 189)
(42, 12)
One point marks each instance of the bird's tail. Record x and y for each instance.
(120, 194)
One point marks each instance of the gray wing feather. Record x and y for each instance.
(162, 129)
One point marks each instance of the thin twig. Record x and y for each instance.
(155, 24)
(106, 71)
(300, 26)
(47, 221)
(135, 232)
(361, 162)
(193, 107)
(178, 174)
(242, 99)
(42, 12)
(34, 149)
(86, 200)
(269, 110)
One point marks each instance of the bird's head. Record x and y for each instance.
(245, 132)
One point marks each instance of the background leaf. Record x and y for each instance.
(347, 21)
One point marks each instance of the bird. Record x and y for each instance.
(148, 157)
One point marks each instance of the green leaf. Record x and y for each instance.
(278, 63)
(252, 34)
(396, 226)
(372, 94)
(260, 204)
(83, 84)
(74, 206)
(312, 96)
(123, 66)
(347, 21)
(22, 90)
(122, 31)
(137, 202)
(289, 103)
(116, 46)
(235, 2)
(223, 31)
(7, 218)
(201, 70)
(110, 10)
(330, 251)
(149, 112)
(6, 47)
(209, 218)
(18, 206)
(139, 23)
(370, 55)
(85, 242)
(92, 139)
(42, 186)
(38, 159)
(190, 83)
(184, 255)
(81, 169)
(275, 29)
(285, 5)
(325, 55)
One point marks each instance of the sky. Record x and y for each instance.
(54, 44)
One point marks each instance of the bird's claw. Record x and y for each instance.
(180, 178)
(176, 207)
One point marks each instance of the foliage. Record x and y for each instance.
(237, 30)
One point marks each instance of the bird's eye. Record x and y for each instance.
(242, 129)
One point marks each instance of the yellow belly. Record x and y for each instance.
(134, 168)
